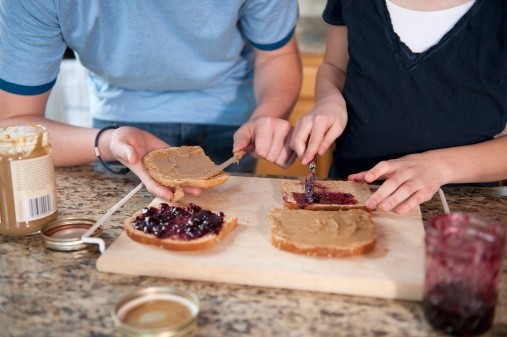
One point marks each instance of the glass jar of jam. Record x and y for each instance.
(27, 180)
(464, 254)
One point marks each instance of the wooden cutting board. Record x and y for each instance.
(394, 269)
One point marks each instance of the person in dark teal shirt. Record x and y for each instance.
(414, 109)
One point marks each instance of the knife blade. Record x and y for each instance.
(219, 168)
(310, 195)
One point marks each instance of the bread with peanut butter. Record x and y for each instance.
(322, 233)
(182, 166)
(332, 195)
(179, 228)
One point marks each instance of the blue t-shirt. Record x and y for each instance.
(149, 61)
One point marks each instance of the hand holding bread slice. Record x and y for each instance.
(182, 166)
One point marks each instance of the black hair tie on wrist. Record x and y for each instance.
(123, 170)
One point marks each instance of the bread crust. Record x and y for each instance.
(360, 241)
(321, 251)
(359, 190)
(201, 243)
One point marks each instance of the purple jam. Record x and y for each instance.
(462, 313)
(312, 197)
(463, 268)
(324, 196)
(179, 223)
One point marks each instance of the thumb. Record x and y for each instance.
(242, 139)
(240, 144)
(126, 153)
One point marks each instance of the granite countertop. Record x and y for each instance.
(50, 293)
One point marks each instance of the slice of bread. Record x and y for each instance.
(322, 233)
(175, 243)
(333, 195)
(182, 166)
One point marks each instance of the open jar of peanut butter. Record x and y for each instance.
(27, 180)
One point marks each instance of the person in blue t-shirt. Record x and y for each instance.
(222, 75)
(413, 94)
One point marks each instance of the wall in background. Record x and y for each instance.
(311, 7)
(69, 100)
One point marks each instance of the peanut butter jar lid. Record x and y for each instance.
(65, 234)
(157, 312)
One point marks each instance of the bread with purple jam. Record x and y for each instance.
(331, 194)
(179, 228)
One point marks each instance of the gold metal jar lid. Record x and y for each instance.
(157, 312)
(65, 234)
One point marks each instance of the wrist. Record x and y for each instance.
(104, 144)
(103, 151)
(271, 110)
(445, 165)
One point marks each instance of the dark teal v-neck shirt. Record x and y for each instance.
(400, 102)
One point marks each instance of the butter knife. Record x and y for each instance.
(310, 195)
(219, 168)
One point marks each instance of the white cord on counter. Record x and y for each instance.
(443, 201)
(99, 241)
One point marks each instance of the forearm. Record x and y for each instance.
(483, 162)
(332, 72)
(277, 81)
(71, 145)
(329, 85)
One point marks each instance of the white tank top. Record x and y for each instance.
(420, 30)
